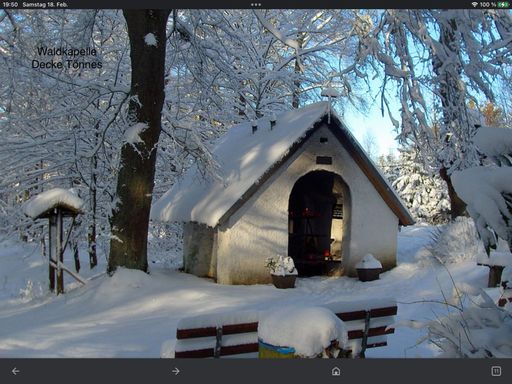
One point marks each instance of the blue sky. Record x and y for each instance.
(377, 125)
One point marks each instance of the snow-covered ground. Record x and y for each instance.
(131, 314)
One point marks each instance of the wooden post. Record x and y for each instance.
(51, 254)
(364, 341)
(494, 275)
(59, 254)
(76, 256)
(71, 273)
(218, 342)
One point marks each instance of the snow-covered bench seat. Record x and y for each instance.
(235, 334)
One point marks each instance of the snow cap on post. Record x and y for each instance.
(254, 125)
(273, 120)
(40, 205)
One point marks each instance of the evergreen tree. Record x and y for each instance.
(424, 194)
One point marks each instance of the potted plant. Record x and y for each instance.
(283, 271)
(369, 268)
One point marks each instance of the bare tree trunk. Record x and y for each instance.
(91, 233)
(451, 100)
(91, 239)
(76, 255)
(457, 206)
(296, 83)
(52, 238)
(242, 101)
(130, 218)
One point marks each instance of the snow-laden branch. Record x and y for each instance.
(495, 143)
(463, 63)
(488, 193)
(292, 43)
(487, 190)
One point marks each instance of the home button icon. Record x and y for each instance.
(336, 371)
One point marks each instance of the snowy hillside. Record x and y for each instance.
(132, 314)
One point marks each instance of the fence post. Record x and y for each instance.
(52, 252)
(218, 344)
(59, 254)
(364, 341)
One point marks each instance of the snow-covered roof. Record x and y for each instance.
(244, 158)
(52, 198)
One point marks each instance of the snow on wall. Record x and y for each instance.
(51, 198)
(243, 158)
(259, 229)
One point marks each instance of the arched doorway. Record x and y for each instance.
(319, 211)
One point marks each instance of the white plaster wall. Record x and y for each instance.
(260, 227)
(198, 250)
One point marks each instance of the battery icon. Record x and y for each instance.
(503, 4)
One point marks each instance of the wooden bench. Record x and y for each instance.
(236, 334)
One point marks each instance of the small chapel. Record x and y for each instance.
(296, 184)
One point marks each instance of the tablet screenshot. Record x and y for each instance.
(258, 191)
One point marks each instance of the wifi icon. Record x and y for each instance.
(474, 3)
